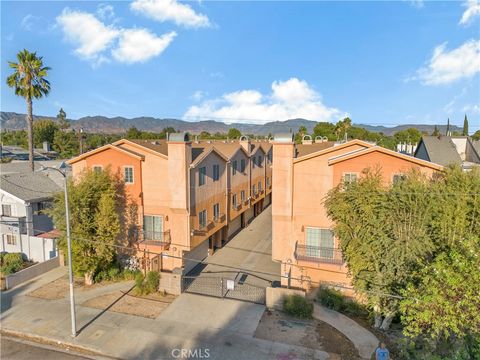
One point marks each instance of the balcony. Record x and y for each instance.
(155, 238)
(237, 206)
(318, 254)
(220, 218)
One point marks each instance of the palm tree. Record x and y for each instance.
(28, 80)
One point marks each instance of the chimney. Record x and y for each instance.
(179, 160)
(282, 201)
(245, 143)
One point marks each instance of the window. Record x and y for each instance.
(242, 195)
(259, 186)
(97, 168)
(320, 243)
(234, 167)
(128, 171)
(153, 227)
(254, 162)
(349, 178)
(11, 239)
(202, 219)
(216, 211)
(234, 200)
(216, 172)
(260, 160)
(7, 210)
(269, 157)
(242, 166)
(398, 177)
(268, 181)
(202, 173)
(254, 189)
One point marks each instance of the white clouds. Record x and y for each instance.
(140, 45)
(90, 35)
(105, 11)
(98, 43)
(170, 10)
(473, 10)
(28, 21)
(419, 4)
(446, 67)
(474, 109)
(289, 99)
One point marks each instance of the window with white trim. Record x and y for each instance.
(259, 186)
(202, 219)
(234, 200)
(320, 243)
(234, 167)
(349, 178)
(216, 211)
(268, 181)
(6, 210)
(153, 227)
(242, 195)
(128, 174)
(11, 239)
(242, 166)
(254, 190)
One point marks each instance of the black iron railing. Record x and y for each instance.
(158, 238)
(318, 254)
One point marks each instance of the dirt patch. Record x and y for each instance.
(149, 306)
(314, 334)
(59, 288)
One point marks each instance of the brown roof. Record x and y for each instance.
(305, 149)
(159, 146)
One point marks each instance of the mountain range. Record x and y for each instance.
(118, 125)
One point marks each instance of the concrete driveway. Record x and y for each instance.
(250, 250)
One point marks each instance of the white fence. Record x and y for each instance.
(31, 272)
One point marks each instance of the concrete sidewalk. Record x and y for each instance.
(224, 328)
(363, 340)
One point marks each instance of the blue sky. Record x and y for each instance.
(379, 62)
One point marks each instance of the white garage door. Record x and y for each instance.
(196, 255)
(234, 226)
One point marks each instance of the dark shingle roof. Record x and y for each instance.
(441, 150)
(30, 186)
(306, 149)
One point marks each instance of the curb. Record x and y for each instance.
(57, 345)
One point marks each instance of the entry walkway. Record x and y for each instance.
(250, 250)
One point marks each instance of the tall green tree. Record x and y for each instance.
(465, 126)
(436, 132)
(447, 132)
(98, 210)
(476, 135)
(62, 120)
(66, 144)
(44, 130)
(29, 81)
(325, 129)
(410, 135)
(234, 133)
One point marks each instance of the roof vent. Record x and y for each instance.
(307, 140)
(321, 139)
(243, 138)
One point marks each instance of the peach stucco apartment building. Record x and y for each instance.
(192, 196)
(302, 175)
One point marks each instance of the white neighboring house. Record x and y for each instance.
(23, 198)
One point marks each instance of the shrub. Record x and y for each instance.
(100, 276)
(11, 263)
(139, 282)
(113, 273)
(298, 306)
(333, 299)
(152, 281)
(353, 308)
(129, 274)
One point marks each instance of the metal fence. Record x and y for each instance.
(223, 288)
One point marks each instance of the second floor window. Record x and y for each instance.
(242, 166)
(202, 174)
(128, 172)
(153, 227)
(202, 219)
(234, 167)
(98, 168)
(7, 210)
(349, 178)
(260, 160)
(242, 195)
(11, 239)
(216, 210)
(216, 172)
(259, 186)
(234, 200)
(268, 181)
(320, 243)
(254, 190)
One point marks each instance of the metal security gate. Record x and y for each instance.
(224, 288)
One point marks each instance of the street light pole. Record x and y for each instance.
(69, 247)
(70, 269)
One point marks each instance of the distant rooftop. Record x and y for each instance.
(29, 186)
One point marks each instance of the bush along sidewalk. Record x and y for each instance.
(148, 284)
(335, 300)
(298, 306)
